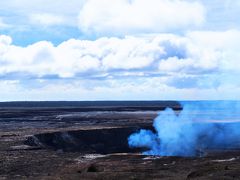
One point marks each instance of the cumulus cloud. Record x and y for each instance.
(195, 60)
(5, 40)
(122, 17)
(139, 49)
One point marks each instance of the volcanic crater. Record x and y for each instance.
(91, 142)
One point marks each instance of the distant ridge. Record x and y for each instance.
(86, 103)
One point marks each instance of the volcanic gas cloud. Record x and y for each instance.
(199, 126)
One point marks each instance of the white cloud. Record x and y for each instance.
(5, 40)
(139, 89)
(27, 14)
(201, 63)
(47, 19)
(119, 17)
(197, 61)
(122, 17)
(195, 53)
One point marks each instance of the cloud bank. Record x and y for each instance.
(195, 61)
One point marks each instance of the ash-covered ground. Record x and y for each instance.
(89, 140)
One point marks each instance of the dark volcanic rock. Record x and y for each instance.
(90, 142)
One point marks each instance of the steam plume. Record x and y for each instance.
(198, 127)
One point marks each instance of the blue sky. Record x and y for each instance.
(119, 50)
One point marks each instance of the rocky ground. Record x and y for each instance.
(91, 143)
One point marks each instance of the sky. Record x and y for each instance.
(119, 50)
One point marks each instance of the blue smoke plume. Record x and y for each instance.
(198, 127)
